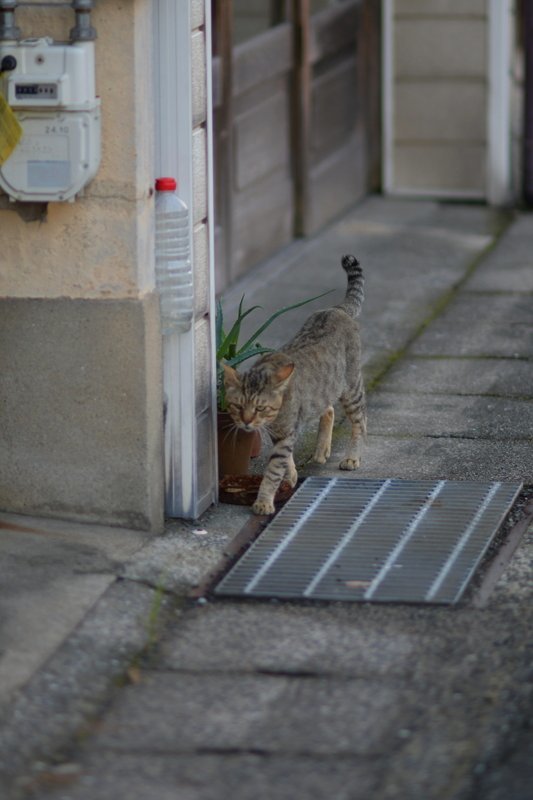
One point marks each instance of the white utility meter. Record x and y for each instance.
(51, 89)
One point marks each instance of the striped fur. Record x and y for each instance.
(301, 382)
(354, 297)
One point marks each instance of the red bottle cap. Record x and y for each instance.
(165, 184)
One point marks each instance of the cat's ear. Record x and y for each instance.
(283, 373)
(231, 376)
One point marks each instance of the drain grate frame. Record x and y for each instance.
(365, 540)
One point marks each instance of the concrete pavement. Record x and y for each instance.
(139, 693)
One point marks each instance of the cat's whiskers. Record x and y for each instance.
(231, 431)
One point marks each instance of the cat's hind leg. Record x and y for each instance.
(354, 405)
(325, 431)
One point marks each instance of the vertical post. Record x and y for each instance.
(499, 121)
(387, 95)
(301, 114)
(224, 38)
(527, 23)
(369, 70)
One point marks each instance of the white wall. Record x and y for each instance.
(446, 98)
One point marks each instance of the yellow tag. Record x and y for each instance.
(10, 130)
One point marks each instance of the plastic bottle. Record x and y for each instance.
(173, 269)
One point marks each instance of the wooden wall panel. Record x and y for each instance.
(337, 142)
(335, 108)
(259, 150)
(255, 154)
(338, 181)
(262, 58)
(297, 127)
(263, 222)
(333, 30)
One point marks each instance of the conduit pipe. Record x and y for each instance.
(83, 31)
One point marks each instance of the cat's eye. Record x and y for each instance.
(260, 408)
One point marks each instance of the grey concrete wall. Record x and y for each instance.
(78, 380)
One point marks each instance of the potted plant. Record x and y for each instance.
(236, 446)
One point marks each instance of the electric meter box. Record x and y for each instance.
(51, 89)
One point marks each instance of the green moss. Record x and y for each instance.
(379, 370)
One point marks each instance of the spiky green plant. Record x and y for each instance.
(231, 352)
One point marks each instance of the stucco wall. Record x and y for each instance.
(101, 245)
(80, 347)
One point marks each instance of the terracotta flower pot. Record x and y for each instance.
(235, 446)
(256, 444)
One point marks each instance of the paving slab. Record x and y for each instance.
(247, 728)
(426, 457)
(51, 573)
(286, 638)
(476, 324)
(411, 256)
(514, 585)
(509, 267)
(429, 436)
(457, 217)
(480, 376)
(207, 777)
(514, 776)
(274, 714)
(48, 712)
(189, 550)
(471, 417)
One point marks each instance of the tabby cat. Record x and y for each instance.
(300, 382)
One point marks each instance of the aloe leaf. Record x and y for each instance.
(271, 319)
(221, 400)
(233, 336)
(242, 356)
(219, 325)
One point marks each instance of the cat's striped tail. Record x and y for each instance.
(353, 299)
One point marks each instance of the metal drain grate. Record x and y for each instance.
(373, 540)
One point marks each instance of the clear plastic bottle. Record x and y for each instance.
(173, 269)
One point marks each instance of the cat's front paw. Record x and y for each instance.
(263, 507)
(349, 463)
